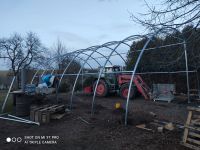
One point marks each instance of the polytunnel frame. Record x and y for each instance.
(100, 73)
(133, 72)
(13, 80)
(68, 65)
(61, 60)
(81, 51)
(93, 51)
(136, 65)
(107, 59)
(55, 68)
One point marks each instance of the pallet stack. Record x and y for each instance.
(43, 114)
(191, 137)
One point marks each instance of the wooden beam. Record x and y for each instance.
(187, 124)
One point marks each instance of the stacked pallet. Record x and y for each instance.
(191, 137)
(43, 114)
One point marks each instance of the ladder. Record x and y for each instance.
(191, 137)
(142, 87)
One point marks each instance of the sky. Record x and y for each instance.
(77, 23)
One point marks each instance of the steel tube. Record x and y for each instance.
(17, 120)
(5, 101)
(139, 73)
(187, 75)
(71, 100)
(100, 73)
(132, 76)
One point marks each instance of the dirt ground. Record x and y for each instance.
(106, 128)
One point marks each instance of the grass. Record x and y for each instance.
(9, 105)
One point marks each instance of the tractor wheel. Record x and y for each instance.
(124, 91)
(102, 88)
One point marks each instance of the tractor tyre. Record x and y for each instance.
(124, 91)
(102, 88)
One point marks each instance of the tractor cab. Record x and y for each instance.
(109, 75)
(114, 68)
(111, 72)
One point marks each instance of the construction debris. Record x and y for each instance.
(191, 137)
(43, 114)
(143, 126)
(83, 120)
(169, 126)
(57, 116)
(160, 122)
(152, 114)
(160, 129)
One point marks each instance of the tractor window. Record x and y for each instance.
(108, 69)
(116, 69)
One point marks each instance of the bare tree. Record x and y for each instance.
(170, 13)
(60, 50)
(21, 52)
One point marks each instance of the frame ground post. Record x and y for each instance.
(132, 76)
(187, 74)
(5, 101)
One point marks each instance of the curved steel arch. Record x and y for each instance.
(119, 43)
(134, 71)
(78, 53)
(93, 51)
(114, 50)
(34, 76)
(83, 50)
(92, 58)
(132, 76)
(103, 56)
(53, 60)
(43, 71)
(100, 73)
(82, 60)
(117, 54)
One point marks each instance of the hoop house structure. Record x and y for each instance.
(110, 53)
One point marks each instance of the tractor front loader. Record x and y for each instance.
(114, 81)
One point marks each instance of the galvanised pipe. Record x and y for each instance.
(93, 51)
(132, 76)
(5, 101)
(100, 73)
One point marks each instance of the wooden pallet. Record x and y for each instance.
(42, 114)
(191, 137)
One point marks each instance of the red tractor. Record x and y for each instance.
(113, 80)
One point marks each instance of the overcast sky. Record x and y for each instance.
(77, 23)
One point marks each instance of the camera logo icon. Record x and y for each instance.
(14, 139)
